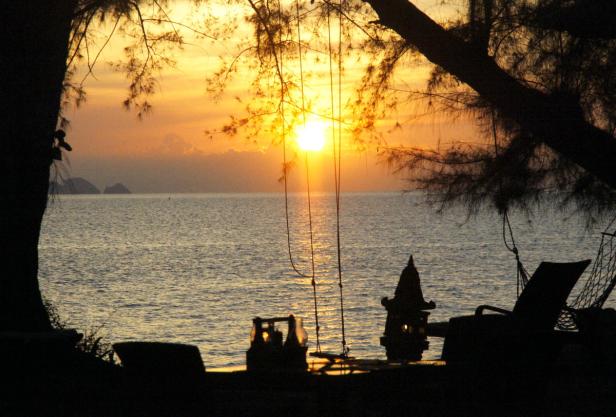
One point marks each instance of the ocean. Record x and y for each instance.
(197, 268)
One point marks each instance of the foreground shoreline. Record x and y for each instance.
(76, 384)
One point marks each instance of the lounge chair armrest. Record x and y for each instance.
(479, 310)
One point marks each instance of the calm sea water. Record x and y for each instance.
(197, 268)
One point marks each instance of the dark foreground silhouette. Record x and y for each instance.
(76, 385)
(505, 364)
(405, 336)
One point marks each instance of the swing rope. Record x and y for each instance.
(337, 150)
(313, 277)
(345, 348)
(337, 146)
(312, 274)
(313, 281)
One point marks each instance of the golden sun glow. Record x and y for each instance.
(311, 136)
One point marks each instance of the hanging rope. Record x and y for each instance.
(312, 274)
(336, 147)
(301, 61)
(313, 281)
(521, 273)
(338, 160)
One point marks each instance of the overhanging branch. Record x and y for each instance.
(550, 119)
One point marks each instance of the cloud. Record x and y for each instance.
(174, 145)
(228, 172)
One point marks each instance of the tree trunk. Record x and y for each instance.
(561, 127)
(33, 64)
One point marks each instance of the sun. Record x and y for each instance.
(311, 136)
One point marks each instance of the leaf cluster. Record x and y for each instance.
(540, 44)
(92, 341)
(151, 37)
(294, 56)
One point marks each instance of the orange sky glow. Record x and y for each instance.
(169, 150)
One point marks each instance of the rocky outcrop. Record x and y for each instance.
(117, 188)
(75, 185)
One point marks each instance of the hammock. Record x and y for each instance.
(598, 286)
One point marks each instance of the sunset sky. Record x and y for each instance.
(169, 151)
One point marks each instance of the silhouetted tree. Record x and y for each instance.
(42, 40)
(34, 54)
(539, 76)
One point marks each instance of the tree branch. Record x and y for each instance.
(552, 120)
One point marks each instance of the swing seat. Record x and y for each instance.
(527, 330)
